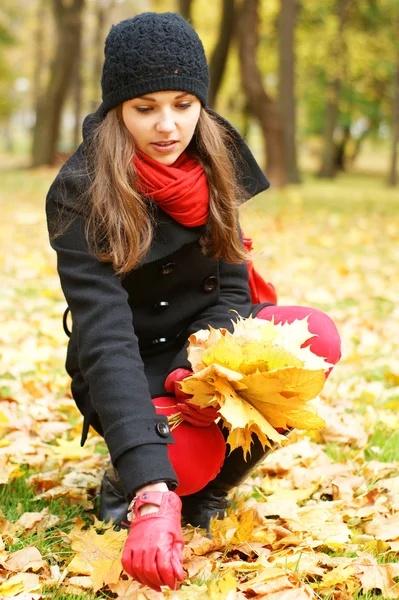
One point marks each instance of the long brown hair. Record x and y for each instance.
(119, 224)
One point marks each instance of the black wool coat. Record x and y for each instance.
(129, 332)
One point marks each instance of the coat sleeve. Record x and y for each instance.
(234, 295)
(109, 357)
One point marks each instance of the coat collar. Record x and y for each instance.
(170, 236)
(250, 176)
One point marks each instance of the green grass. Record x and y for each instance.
(383, 444)
(359, 596)
(17, 498)
(54, 594)
(339, 452)
(348, 193)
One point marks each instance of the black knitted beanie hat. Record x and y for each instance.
(153, 52)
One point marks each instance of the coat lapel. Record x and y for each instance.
(169, 235)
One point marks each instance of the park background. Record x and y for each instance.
(314, 88)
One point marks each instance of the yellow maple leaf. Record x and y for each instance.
(236, 527)
(260, 358)
(304, 419)
(127, 590)
(311, 360)
(258, 379)
(304, 384)
(381, 577)
(253, 329)
(201, 385)
(224, 588)
(23, 582)
(200, 341)
(242, 438)
(225, 352)
(243, 419)
(97, 555)
(4, 420)
(292, 335)
(24, 560)
(193, 385)
(8, 471)
(70, 449)
(339, 574)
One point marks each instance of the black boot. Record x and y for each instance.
(211, 501)
(113, 502)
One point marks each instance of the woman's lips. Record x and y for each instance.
(165, 147)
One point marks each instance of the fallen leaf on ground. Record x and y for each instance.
(97, 555)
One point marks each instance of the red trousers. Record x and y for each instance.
(199, 452)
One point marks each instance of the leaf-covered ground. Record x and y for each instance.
(319, 519)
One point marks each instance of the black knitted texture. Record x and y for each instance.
(153, 52)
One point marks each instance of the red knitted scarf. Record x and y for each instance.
(181, 189)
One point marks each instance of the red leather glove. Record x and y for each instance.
(196, 416)
(153, 551)
(172, 383)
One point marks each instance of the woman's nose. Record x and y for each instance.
(165, 123)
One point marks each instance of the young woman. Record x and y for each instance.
(144, 220)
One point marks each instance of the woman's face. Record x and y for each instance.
(162, 123)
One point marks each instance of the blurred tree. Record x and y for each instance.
(103, 11)
(329, 159)
(77, 85)
(184, 9)
(68, 20)
(393, 172)
(41, 14)
(259, 102)
(7, 100)
(365, 69)
(219, 56)
(286, 94)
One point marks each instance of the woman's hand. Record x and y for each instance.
(172, 383)
(196, 416)
(146, 509)
(153, 551)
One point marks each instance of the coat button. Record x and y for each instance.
(168, 268)
(162, 429)
(210, 284)
(160, 306)
(162, 340)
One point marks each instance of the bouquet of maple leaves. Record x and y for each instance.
(259, 376)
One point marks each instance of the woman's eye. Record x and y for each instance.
(183, 105)
(143, 109)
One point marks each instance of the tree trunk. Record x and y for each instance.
(261, 105)
(287, 101)
(39, 52)
(329, 160)
(358, 145)
(341, 149)
(185, 7)
(77, 96)
(67, 14)
(219, 56)
(246, 122)
(98, 42)
(393, 174)
(6, 132)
